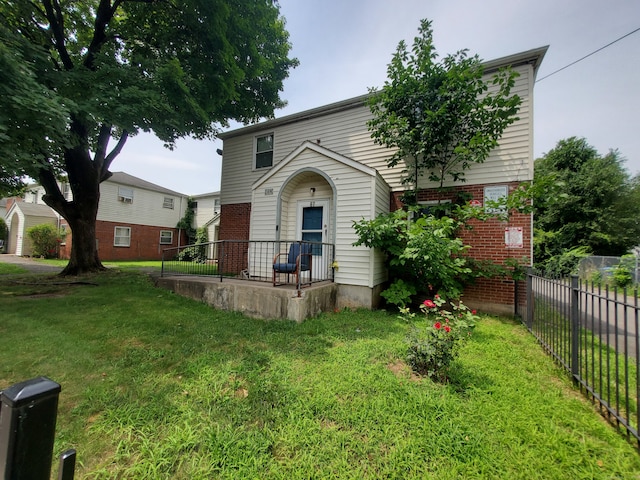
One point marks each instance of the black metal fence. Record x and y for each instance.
(592, 331)
(246, 259)
(28, 412)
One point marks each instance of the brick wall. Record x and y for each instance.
(487, 241)
(234, 225)
(144, 245)
(234, 221)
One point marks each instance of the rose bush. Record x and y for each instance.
(435, 346)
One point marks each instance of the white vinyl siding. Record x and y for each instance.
(356, 197)
(122, 237)
(147, 209)
(345, 132)
(512, 160)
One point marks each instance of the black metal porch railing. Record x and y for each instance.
(593, 332)
(247, 260)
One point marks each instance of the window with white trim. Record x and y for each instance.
(167, 203)
(122, 237)
(264, 151)
(125, 194)
(166, 237)
(216, 206)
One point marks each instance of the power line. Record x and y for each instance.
(586, 56)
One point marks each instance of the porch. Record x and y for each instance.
(240, 276)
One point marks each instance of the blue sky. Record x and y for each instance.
(344, 47)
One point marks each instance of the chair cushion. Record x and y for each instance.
(284, 267)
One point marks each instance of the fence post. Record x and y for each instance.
(575, 328)
(530, 298)
(66, 470)
(28, 412)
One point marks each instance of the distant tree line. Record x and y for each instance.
(584, 203)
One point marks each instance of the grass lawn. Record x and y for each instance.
(158, 386)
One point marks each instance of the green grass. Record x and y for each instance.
(600, 366)
(11, 269)
(119, 264)
(158, 386)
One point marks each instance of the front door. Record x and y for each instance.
(312, 227)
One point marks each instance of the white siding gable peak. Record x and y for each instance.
(307, 145)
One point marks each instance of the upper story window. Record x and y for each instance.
(66, 191)
(216, 205)
(264, 151)
(125, 194)
(168, 203)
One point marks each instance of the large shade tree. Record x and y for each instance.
(78, 78)
(441, 116)
(584, 199)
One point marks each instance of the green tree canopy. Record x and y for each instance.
(441, 116)
(589, 200)
(76, 74)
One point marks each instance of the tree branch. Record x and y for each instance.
(53, 196)
(101, 147)
(56, 20)
(104, 172)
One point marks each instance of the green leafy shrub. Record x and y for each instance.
(432, 348)
(567, 263)
(622, 276)
(622, 272)
(399, 293)
(3, 233)
(45, 239)
(422, 252)
(198, 252)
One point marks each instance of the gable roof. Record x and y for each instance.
(307, 145)
(210, 194)
(34, 209)
(126, 179)
(532, 57)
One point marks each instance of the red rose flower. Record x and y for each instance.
(429, 304)
(473, 312)
(447, 328)
(438, 325)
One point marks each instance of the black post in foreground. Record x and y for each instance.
(28, 412)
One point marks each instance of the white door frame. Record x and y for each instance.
(325, 203)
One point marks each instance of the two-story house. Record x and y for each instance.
(207, 213)
(321, 166)
(136, 219)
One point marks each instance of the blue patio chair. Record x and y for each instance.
(299, 259)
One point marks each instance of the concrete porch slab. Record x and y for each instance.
(255, 299)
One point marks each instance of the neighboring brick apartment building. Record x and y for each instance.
(136, 219)
(322, 165)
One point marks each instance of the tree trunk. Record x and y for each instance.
(81, 212)
(84, 250)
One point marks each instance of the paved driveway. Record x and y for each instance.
(29, 264)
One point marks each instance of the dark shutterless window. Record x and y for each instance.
(264, 151)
